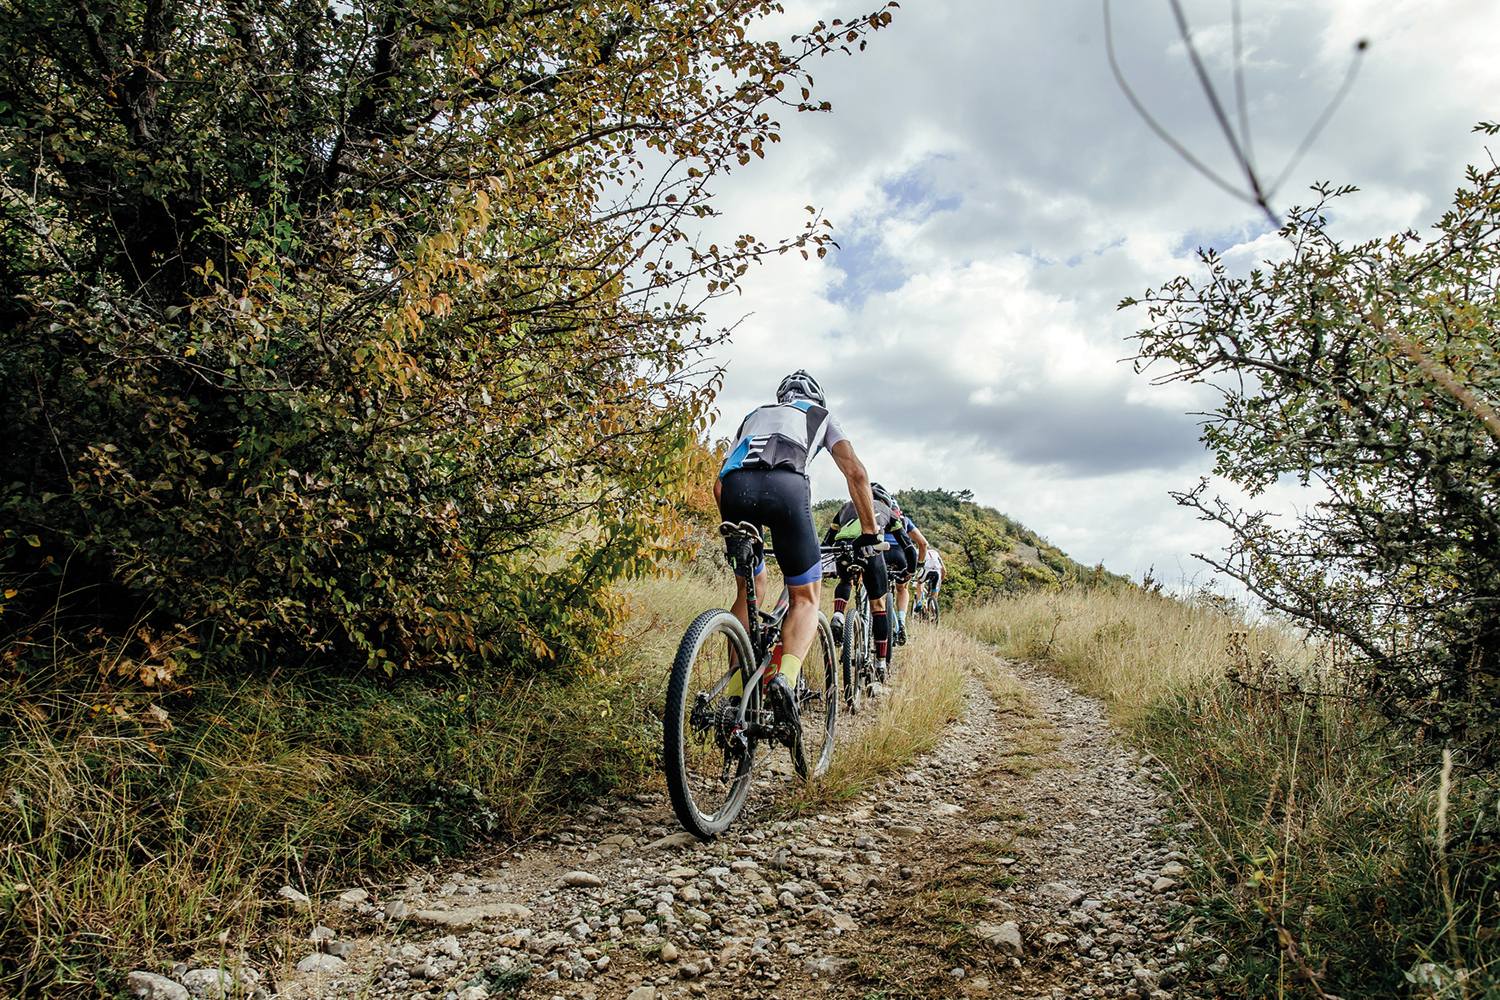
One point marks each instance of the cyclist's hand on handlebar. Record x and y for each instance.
(867, 544)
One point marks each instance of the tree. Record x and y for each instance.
(1363, 370)
(365, 328)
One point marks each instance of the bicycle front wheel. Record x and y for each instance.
(707, 763)
(818, 703)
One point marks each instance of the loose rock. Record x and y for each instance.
(150, 986)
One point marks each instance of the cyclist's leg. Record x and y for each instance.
(789, 514)
(801, 624)
(877, 583)
(740, 500)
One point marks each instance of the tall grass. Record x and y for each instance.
(926, 692)
(133, 839)
(1329, 866)
(1130, 647)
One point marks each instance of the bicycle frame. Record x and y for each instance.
(746, 550)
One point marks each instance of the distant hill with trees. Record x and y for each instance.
(986, 553)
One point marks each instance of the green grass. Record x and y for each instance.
(133, 844)
(1317, 824)
(141, 827)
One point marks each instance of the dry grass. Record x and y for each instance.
(1331, 862)
(130, 845)
(926, 694)
(1131, 647)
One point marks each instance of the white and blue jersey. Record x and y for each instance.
(782, 436)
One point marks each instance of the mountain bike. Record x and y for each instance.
(856, 646)
(711, 738)
(926, 606)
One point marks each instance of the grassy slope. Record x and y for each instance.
(130, 844)
(949, 522)
(1317, 825)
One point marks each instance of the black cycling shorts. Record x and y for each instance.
(781, 500)
(934, 582)
(877, 584)
(895, 560)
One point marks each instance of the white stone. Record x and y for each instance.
(459, 918)
(208, 982)
(582, 879)
(322, 963)
(150, 986)
(1060, 893)
(683, 839)
(354, 896)
(1006, 937)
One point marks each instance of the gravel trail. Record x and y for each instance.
(1025, 856)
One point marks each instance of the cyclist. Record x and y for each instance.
(906, 555)
(932, 576)
(764, 481)
(846, 525)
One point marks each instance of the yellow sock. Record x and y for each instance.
(791, 666)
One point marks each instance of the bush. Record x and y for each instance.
(1363, 369)
(363, 333)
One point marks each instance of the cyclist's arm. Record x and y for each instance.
(916, 535)
(859, 483)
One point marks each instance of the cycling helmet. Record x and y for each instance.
(882, 494)
(802, 384)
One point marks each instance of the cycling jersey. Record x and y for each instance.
(848, 517)
(933, 562)
(782, 436)
(902, 523)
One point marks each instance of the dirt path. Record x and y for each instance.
(1024, 857)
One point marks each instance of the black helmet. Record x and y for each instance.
(882, 494)
(802, 384)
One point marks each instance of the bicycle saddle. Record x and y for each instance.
(744, 529)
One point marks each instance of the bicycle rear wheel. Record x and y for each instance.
(708, 765)
(937, 614)
(852, 653)
(818, 704)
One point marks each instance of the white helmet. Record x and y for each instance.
(802, 384)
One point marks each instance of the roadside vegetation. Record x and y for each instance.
(1337, 859)
(985, 553)
(352, 361)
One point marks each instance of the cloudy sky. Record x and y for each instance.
(995, 197)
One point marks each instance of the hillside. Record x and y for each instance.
(986, 552)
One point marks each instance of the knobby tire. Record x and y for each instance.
(693, 755)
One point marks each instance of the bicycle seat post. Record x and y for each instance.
(743, 546)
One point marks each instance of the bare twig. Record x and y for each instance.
(1256, 191)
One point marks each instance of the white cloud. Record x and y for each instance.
(996, 197)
